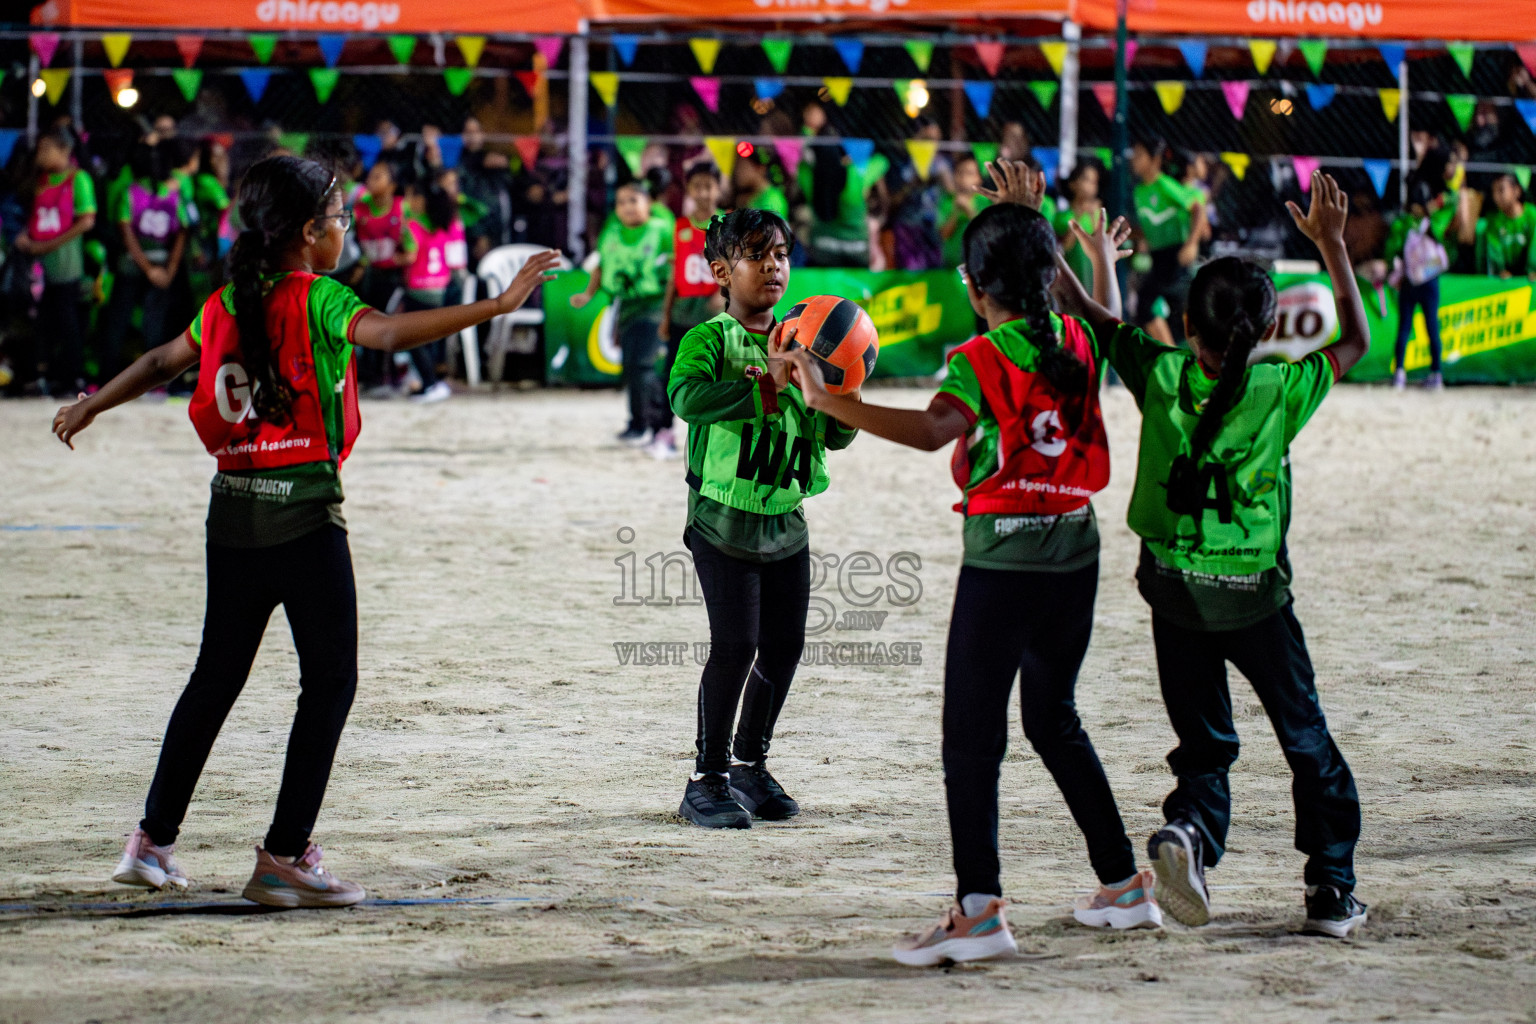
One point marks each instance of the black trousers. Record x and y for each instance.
(1273, 655)
(1033, 626)
(62, 337)
(644, 355)
(1169, 280)
(424, 357)
(1425, 297)
(311, 577)
(130, 290)
(757, 613)
(376, 288)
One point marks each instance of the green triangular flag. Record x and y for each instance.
(901, 85)
(1106, 156)
(188, 80)
(1462, 54)
(324, 80)
(294, 142)
(631, 147)
(402, 47)
(458, 79)
(921, 52)
(262, 45)
(1314, 50)
(1522, 174)
(777, 51)
(1045, 92)
(985, 152)
(1462, 106)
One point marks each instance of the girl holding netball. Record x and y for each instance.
(1212, 506)
(276, 404)
(755, 453)
(1021, 404)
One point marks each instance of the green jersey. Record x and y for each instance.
(263, 507)
(749, 468)
(852, 211)
(1509, 241)
(1037, 543)
(1163, 209)
(954, 245)
(1076, 255)
(771, 199)
(636, 262)
(67, 262)
(1227, 568)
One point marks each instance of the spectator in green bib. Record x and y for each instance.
(840, 192)
(752, 181)
(1172, 221)
(958, 207)
(1511, 230)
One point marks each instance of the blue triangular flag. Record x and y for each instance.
(1392, 54)
(859, 150)
(330, 47)
(1194, 55)
(1320, 95)
(980, 95)
(368, 147)
(625, 47)
(1050, 162)
(1379, 171)
(767, 88)
(451, 146)
(8, 137)
(255, 80)
(1527, 110)
(852, 52)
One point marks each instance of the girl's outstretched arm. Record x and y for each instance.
(1324, 225)
(158, 366)
(1102, 245)
(407, 330)
(926, 429)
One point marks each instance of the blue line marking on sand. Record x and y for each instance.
(66, 528)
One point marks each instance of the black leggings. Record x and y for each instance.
(311, 577)
(1033, 626)
(757, 613)
(425, 357)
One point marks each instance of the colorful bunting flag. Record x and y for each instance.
(1263, 52)
(116, 45)
(402, 47)
(921, 52)
(1462, 106)
(117, 79)
(1527, 109)
(1320, 95)
(838, 89)
(985, 152)
(1238, 162)
(1104, 92)
(294, 142)
(1521, 172)
(1390, 100)
(1050, 162)
(189, 81)
(767, 88)
(527, 149)
(44, 44)
(1131, 46)
(1105, 156)
(1462, 54)
(1055, 55)
(901, 87)
(1393, 55)
(550, 47)
(8, 139)
(631, 148)
(458, 79)
(324, 80)
(529, 80)
(980, 95)
(851, 51)
(471, 47)
(1527, 53)
(705, 51)
(991, 56)
(709, 91)
(922, 152)
(789, 151)
(189, 47)
(1305, 166)
(367, 147)
(1378, 171)
(1170, 95)
(1315, 51)
(255, 81)
(777, 51)
(723, 149)
(1045, 93)
(54, 81)
(1194, 51)
(331, 45)
(607, 85)
(859, 151)
(262, 45)
(450, 148)
(626, 47)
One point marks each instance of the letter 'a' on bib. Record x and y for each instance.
(839, 333)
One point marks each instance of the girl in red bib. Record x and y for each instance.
(276, 404)
(1021, 403)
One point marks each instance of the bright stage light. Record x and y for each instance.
(39, 87)
(127, 97)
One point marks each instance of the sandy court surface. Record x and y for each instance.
(500, 749)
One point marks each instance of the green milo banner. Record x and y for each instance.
(1487, 326)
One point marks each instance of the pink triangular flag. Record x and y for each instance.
(789, 153)
(44, 44)
(1105, 93)
(709, 91)
(1305, 165)
(1527, 52)
(528, 149)
(189, 47)
(991, 56)
(1130, 51)
(1237, 97)
(550, 47)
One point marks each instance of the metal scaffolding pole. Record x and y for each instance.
(1402, 133)
(1072, 33)
(576, 190)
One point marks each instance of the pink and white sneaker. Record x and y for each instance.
(148, 865)
(956, 938)
(304, 883)
(1131, 905)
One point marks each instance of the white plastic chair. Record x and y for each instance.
(510, 332)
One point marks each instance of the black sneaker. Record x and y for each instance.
(760, 793)
(707, 802)
(1175, 852)
(1330, 912)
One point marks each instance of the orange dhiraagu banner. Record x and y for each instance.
(486, 16)
(1505, 21)
(823, 10)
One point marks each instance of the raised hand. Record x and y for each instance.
(1105, 239)
(534, 272)
(1325, 219)
(1016, 183)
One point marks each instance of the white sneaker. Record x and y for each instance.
(148, 865)
(955, 938)
(1130, 906)
(1399, 380)
(663, 448)
(439, 392)
(640, 440)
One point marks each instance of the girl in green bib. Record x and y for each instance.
(755, 452)
(1212, 506)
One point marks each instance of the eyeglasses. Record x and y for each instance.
(345, 217)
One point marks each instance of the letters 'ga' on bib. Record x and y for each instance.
(1240, 527)
(694, 279)
(378, 234)
(1053, 453)
(767, 464)
(153, 216)
(438, 255)
(221, 408)
(53, 209)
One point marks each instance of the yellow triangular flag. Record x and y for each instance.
(705, 51)
(1056, 53)
(1391, 99)
(607, 85)
(116, 45)
(838, 89)
(1238, 162)
(1263, 51)
(471, 47)
(723, 149)
(54, 79)
(1170, 95)
(922, 152)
